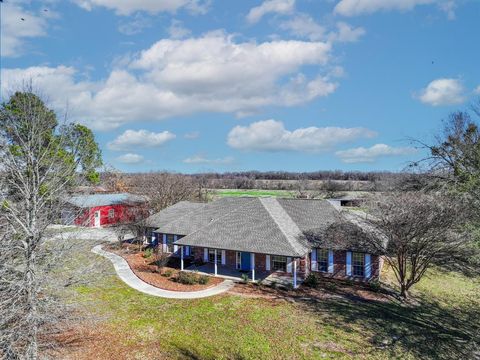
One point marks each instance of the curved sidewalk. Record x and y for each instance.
(128, 277)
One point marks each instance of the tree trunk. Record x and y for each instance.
(403, 291)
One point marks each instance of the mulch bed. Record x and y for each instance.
(146, 271)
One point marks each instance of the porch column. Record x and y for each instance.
(181, 258)
(252, 261)
(215, 251)
(294, 273)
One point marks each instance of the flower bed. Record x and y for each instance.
(169, 278)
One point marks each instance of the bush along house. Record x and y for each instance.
(262, 236)
(100, 210)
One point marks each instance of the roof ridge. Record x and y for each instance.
(280, 216)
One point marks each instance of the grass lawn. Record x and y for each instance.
(253, 193)
(132, 325)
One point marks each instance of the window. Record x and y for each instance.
(322, 260)
(170, 239)
(358, 264)
(111, 213)
(211, 256)
(239, 260)
(279, 263)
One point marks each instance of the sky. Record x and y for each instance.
(228, 85)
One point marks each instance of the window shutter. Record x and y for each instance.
(175, 247)
(289, 264)
(224, 257)
(205, 254)
(349, 263)
(267, 262)
(330, 261)
(368, 266)
(164, 243)
(314, 260)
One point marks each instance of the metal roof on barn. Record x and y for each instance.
(92, 200)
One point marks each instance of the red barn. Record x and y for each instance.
(99, 210)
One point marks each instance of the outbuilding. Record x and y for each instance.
(100, 210)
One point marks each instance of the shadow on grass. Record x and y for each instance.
(426, 330)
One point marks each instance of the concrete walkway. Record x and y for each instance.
(128, 277)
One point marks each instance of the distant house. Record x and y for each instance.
(263, 236)
(99, 210)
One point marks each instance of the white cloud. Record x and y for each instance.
(360, 7)
(271, 135)
(346, 33)
(371, 154)
(200, 159)
(270, 6)
(192, 135)
(131, 139)
(211, 73)
(127, 7)
(135, 26)
(15, 30)
(177, 30)
(443, 92)
(304, 26)
(477, 90)
(130, 158)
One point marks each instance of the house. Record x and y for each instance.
(99, 210)
(263, 236)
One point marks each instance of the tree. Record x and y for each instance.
(415, 230)
(40, 161)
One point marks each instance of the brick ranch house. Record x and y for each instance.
(101, 210)
(263, 236)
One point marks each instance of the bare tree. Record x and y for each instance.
(40, 162)
(415, 231)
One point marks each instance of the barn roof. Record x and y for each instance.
(92, 200)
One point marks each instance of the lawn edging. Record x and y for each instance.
(126, 274)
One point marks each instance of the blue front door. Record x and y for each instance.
(245, 261)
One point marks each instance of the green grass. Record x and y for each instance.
(442, 325)
(254, 193)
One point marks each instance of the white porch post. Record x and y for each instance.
(181, 258)
(294, 273)
(215, 261)
(252, 265)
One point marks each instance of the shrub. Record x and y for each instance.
(167, 273)
(186, 278)
(245, 278)
(375, 286)
(330, 286)
(203, 279)
(147, 253)
(311, 281)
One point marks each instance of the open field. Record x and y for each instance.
(252, 192)
(131, 325)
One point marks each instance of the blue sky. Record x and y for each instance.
(227, 85)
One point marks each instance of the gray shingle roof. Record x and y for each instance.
(172, 213)
(262, 225)
(86, 201)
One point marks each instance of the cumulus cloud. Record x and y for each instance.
(200, 159)
(132, 139)
(271, 135)
(443, 92)
(304, 26)
(371, 154)
(130, 158)
(15, 32)
(135, 26)
(361, 7)
(270, 6)
(127, 7)
(211, 73)
(177, 30)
